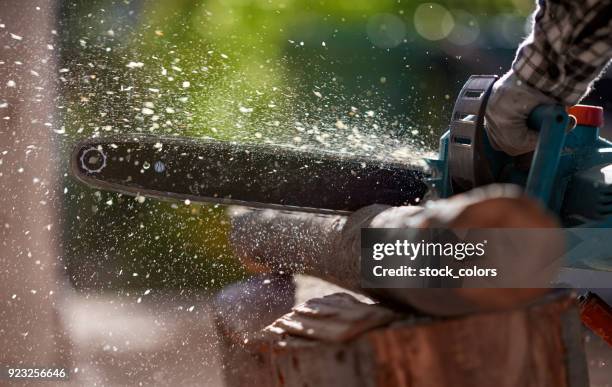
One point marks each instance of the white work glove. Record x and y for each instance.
(506, 115)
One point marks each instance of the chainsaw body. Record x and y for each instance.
(569, 172)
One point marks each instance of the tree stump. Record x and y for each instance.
(338, 340)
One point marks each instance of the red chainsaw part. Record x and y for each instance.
(587, 115)
(596, 314)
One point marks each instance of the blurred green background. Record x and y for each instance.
(351, 76)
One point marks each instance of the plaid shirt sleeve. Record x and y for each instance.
(567, 50)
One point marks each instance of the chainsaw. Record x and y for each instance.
(569, 172)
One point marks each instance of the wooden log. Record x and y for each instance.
(355, 344)
(540, 345)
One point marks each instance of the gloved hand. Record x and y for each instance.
(328, 246)
(509, 105)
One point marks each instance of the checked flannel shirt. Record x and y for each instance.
(569, 47)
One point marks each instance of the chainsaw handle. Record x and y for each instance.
(551, 121)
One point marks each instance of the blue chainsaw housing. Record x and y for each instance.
(569, 173)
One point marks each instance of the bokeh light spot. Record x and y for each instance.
(466, 30)
(386, 30)
(433, 22)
